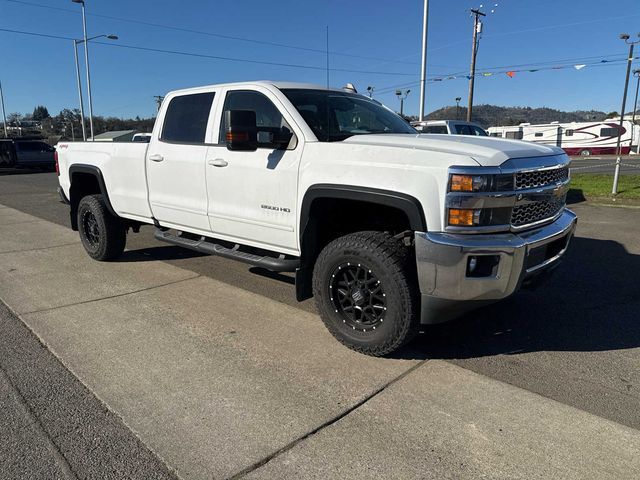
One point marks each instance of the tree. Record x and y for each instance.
(40, 113)
(613, 114)
(14, 118)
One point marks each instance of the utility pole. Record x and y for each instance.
(616, 174)
(4, 115)
(159, 99)
(423, 74)
(477, 29)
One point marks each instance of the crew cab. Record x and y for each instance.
(388, 229)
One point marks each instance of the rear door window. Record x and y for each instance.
(435, 129)
(186, 118)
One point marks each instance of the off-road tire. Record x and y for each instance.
(103, 235)
(389, 261)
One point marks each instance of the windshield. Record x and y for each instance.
(334, 116)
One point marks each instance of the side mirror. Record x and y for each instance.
(242, 133)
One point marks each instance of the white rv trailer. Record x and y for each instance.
(576, 138)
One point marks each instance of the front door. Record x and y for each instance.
(176, 163)
(252, 195)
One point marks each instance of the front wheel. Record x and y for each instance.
(103, 235)
(366, 291)
(585, 152)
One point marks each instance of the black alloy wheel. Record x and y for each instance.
(358, 296)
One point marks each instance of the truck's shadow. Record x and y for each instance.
(591, 303)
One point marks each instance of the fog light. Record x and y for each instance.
(482, 266)
(473, 262)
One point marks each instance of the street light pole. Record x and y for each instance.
(75, 54)
(86, 61)
(636, 73)
(423, 74)
(458, 107)
(402, 95)
(477, 25)
(616, 174)
(4, 115)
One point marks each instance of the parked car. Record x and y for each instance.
(26, 153)
(141, 137)
(450, 127)
(387, 228)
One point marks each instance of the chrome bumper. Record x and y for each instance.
(447, 288)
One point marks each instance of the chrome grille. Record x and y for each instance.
(540, 178)
(529, 213)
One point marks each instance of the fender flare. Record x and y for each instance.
(97, 173)
(408, 204)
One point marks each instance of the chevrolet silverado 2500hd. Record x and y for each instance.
(387, 228)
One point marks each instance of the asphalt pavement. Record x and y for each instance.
(52, 426)
(606, 164)
(526, 385)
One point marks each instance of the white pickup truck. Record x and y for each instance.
(387, 228)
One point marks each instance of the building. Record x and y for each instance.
(117, 136)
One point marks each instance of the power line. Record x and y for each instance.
(211, 34)
(213, 57)
(602, 63)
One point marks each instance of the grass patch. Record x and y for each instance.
(592, 185)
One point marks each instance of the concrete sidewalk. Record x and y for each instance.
(221, 382)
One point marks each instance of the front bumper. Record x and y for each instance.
(448, 289)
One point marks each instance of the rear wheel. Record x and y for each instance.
(585, 153)
(103, 235)
(366, 291)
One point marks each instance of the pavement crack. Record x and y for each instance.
(124, 294)
(35, 424)
(328, 423)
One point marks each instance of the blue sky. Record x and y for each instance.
(41, 70)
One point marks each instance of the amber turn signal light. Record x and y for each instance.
(463, 217)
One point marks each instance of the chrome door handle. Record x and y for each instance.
(218, 162)
(156, 158)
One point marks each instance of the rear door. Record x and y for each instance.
(34, 153)
(176, 162)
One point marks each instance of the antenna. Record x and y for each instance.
(327, 56)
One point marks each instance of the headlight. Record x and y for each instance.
(468, 183)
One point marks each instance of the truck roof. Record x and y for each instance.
(265, 83)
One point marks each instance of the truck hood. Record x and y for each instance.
(486, 151)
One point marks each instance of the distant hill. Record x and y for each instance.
(493, 115)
